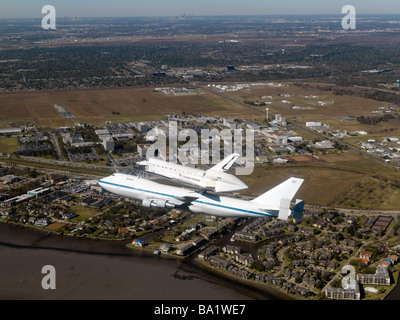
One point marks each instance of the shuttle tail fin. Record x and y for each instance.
(225, 164)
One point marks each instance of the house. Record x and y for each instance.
(246, 236)
(165, 248)
(232, 249)
(198, 241)
(245, 260)
(210, 251)
(138, 243)
(42, 222)
(68, 215)
(392, 260)
(219, 263)
(364, 256)
(185, 249)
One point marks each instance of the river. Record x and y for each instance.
(89, 269)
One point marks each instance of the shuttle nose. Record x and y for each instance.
(229, 182)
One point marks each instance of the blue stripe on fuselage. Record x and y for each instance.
(198, 201)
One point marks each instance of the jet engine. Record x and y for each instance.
(157, 203)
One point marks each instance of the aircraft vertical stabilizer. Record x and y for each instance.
(285, 190)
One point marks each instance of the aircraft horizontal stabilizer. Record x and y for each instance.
(284, 209)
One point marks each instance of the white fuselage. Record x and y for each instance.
(144, 190)
(216, 181)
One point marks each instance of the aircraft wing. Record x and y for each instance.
(183, 201)
(187, 198)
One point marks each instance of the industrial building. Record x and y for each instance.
(38, 192)
(10, 130)
(7, 179)
(16, 200)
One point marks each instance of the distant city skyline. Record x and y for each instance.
(124, 8)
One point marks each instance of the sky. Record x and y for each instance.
(125, 8)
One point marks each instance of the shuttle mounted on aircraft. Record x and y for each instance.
(273, 203)
(215, 178)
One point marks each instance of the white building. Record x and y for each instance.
(108, 144)
(313, 124)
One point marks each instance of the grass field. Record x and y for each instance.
(337, 106)
(8, 145)
(343, 180)
(97, 106)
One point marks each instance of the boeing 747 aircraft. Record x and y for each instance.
(273, 203)
(215, 178)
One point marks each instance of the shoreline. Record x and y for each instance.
(192, 260)
(103, 248)
(259, 286)
(264, 287)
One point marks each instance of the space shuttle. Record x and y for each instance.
(275, 202)
(214, 179)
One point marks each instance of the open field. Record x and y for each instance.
(321, 104)
(99, 105)
(8, 145)
(55, 226)
(95, 106)
(342, 180)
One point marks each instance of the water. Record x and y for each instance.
(88, 269)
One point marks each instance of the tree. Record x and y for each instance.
(258, 266)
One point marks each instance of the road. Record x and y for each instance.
(58, 149)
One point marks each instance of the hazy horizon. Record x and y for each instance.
(159, 8)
